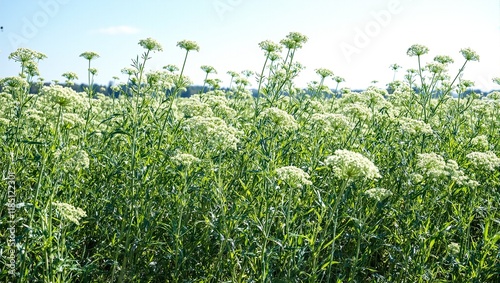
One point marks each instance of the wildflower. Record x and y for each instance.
(350, 165)
(294, 40)
(71, 120)
(188, 45)
(25, 55)
(247, 73)
(35, 116)
(378, 194)
(269, 46)
(171, 68)
(150, 44)
(293, 176)
(211, 132)
(14, 82)
(184, 159)
(208, 69)
(338, 79)
(192, 106)
(435, 68)
(329, 122)
(93, 71)
(487, 161)
(128, 71)
(495, 95)
(279, 118)
(414, 127)
(469, 54)
(432, 165)
(72, 158)
(454, 248)
(70, 76)
(443, 59)
(324, 73)
(357, 110)
(395, 67)
(89, 55)
(417, 50)
(69, 212)
(63, 96)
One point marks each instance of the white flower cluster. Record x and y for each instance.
(71, 158)
(480, 142)
(433, 167)
(293, 176)
(414, 127)
(330, 122)
(279, 119)
(487, 161)
(350, 165)
(63, 96)
(184, 159)
(192, 106)
(378, 194)
(219, 104)
(212, 132)
(357, 111)
(69, 212)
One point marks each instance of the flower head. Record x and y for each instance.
(188, 45)
(294, 40)
(417, 50)
(487, 161)
(150, 44)
(469, 54)
(171, 68)
(89, 55)
(323, 73)
(24, 55)
(395, 67)
(378, 194)
(443, 59)
(293, 176)
(184, 159)
(350, 165)
(69, 212)
(269, 46)
(208, 69)
(279, 119)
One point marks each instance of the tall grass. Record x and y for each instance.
(288, 186)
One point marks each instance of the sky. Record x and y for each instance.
(356, 39)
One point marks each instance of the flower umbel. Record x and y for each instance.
(350, 165)
(69, 212)
(293, 176)
(469, 54)
(417, 50)
(150, 44)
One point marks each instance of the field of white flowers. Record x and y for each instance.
(396, 185)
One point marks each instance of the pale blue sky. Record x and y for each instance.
(356, 39)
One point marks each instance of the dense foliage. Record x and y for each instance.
(289, 186)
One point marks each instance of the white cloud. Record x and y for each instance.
(117, 30)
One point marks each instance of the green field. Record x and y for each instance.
(292, 185)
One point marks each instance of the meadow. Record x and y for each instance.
(291, 185)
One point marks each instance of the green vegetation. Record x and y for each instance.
(289, 186)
